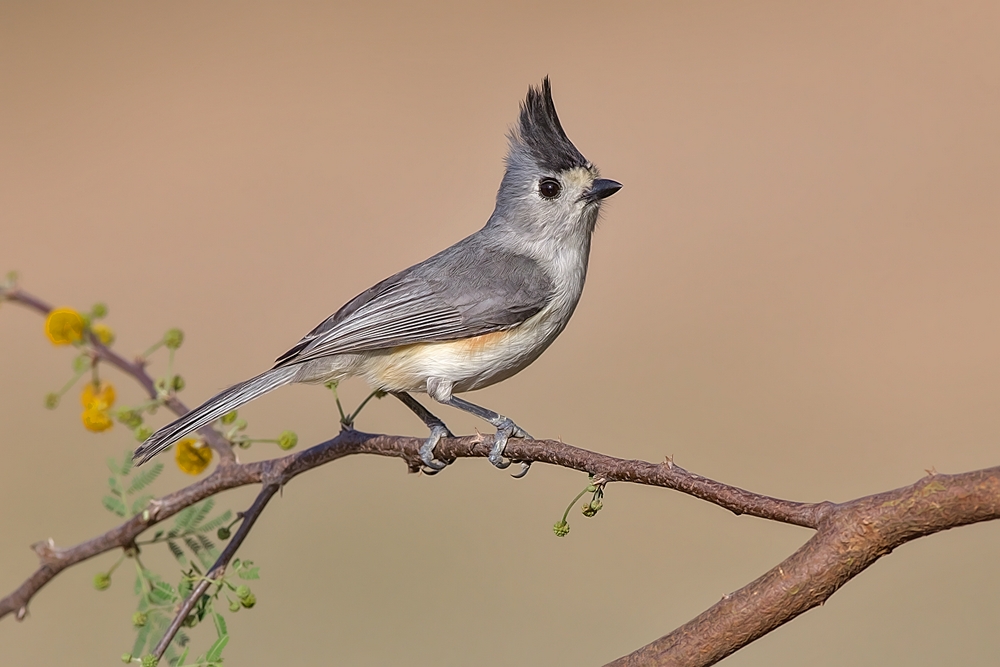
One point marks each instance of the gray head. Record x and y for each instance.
(550, 189)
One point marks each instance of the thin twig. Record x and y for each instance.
(219, 568)
(136, 370)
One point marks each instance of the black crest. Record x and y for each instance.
(542, 134)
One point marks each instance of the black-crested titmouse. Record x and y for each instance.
(471, 315)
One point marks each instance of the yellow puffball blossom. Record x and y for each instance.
(64, 326)
(97, 400)
(100, 396)
(96, 420)
(193, 456)
(103, 333)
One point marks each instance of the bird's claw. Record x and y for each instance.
(507, 429)
(433, 466)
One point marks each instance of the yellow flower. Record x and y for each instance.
(96, 420)
(193, 456)
(64, 326)
(103, 333)
(99, 397)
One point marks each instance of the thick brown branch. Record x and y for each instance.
(280, 470)
(851, 536)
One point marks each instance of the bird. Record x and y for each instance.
(472, 315)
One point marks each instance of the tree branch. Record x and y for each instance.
(849, 536)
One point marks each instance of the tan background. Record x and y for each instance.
(795, 292)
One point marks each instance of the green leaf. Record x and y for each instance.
(177, 552)
(162, 593)
(140, 503)
(140, 639)
(215, 653)
(114, 505)
(203, 511)
(113, 466)
(251, 573)
(207, 545)
(220, 520)
(145, 478)
(184, 655)
(220, 625)
(115, 486)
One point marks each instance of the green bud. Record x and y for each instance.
(173, 339)
(224, 533)
(129, 417)
(381, 394)
(592, 508)
(229, 417)
(126, 658)
(242, 591)
(102, 581)
(51, 401)
(287, 440)
(234, 606)
(249, 601)
(139, 619)
(561, 529)
(150, 660)
(161, 385)
(178, 383)
(142, 433)
(332, 384)
(240, 424)
(81, 363)
(98, 311)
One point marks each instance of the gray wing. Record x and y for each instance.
(465, 291)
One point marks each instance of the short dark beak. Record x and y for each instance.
(603, 188)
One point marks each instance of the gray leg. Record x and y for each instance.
(438, 431)
(505, 429)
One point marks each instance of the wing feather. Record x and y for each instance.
(459, 293)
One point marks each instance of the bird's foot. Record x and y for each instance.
(507, 429)
(433, 466)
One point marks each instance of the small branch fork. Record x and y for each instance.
(849, 536)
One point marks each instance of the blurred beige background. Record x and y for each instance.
(795, 292)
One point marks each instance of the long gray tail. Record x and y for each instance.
(212, 409)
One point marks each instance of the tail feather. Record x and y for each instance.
(212, 409)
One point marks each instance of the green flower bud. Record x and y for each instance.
(177, 383)
(381, 394)
(161, 385)
(150, 660)
(139, 619)
(81, 363)
(129, 417)
(98, 311)
(592, 508)
(173, 339)
(234, 606)
(224, 533)
(102, 581)
(242, 591)
(142, 433)
(561, 529)
(229, 417)
(51, 401)
(249, 601)
(287, 440)
(240, 424)
(126, 658)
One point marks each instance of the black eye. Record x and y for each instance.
(549, 188)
